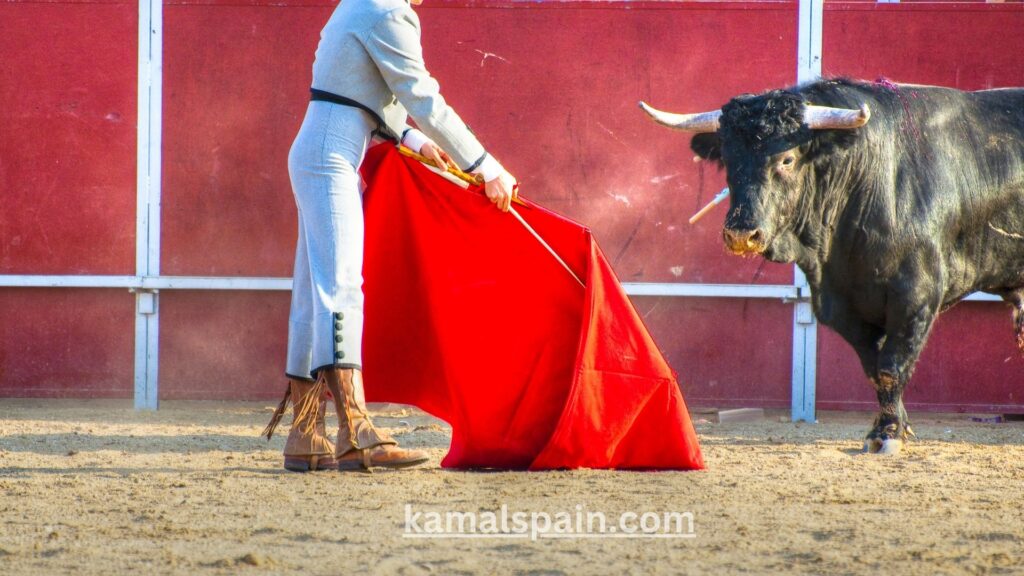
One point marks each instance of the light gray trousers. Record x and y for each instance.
(325, 326)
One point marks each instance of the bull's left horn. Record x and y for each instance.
(825, 118)
(702, 122)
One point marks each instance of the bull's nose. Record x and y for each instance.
(743, 241)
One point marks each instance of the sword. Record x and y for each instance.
(550, 250)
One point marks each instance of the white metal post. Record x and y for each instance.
(805, 327)
(147, 210)
(808, 65)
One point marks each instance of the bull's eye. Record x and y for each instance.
(785, 165)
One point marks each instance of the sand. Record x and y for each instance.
(94, 487)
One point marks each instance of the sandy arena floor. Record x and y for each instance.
(97, 488)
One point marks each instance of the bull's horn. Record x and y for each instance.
(825, 118)
(703, 122)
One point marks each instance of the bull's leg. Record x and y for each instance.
(1018, 326)
(865, 338)
(1015, 298)
(892, 427)
(909, 321)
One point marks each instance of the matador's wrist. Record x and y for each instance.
(414, 140)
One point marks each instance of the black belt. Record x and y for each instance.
(382, 129)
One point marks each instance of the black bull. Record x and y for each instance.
(911, 201)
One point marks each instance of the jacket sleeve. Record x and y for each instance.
(394, 45)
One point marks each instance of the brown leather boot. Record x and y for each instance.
(308, 448)
(360, 445)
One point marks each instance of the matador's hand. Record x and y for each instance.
(434, 152)
(502, 190)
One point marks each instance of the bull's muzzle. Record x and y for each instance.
(743, 242)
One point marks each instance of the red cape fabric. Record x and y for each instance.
(468, 317)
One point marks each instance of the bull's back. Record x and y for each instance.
(976, 189)
(945, 174)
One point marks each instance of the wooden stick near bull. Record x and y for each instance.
(476, 179)
(714, 202)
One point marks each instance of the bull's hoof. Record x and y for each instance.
(889, 447)
(887, 440)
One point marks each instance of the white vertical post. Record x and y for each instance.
(808, 61)
(805, 328)
(147, 210)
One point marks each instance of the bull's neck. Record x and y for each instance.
(815, 219)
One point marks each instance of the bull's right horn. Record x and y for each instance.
(826, 118)
(702, 122)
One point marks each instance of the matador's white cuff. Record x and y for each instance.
(414, 140)
(490, 168)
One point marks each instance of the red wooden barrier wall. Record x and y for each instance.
(67, 194)
(551, 88)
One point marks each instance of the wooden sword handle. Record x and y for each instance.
(474, 179)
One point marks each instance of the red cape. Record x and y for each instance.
(468, 317)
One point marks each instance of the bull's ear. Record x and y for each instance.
(708, 146)
(827, 143)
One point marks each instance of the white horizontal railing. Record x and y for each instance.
(148, 282)
(782, 292)
(683, 289)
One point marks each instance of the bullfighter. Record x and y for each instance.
(368, 79)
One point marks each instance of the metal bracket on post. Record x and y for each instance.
(804, 313)
(147, 334)
(145, 301)
(805, 357)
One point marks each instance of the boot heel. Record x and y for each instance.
(309, 463)
(296, 464)
(352, 465)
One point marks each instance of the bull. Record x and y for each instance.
(896, 201)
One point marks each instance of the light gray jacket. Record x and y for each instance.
(370, 52)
